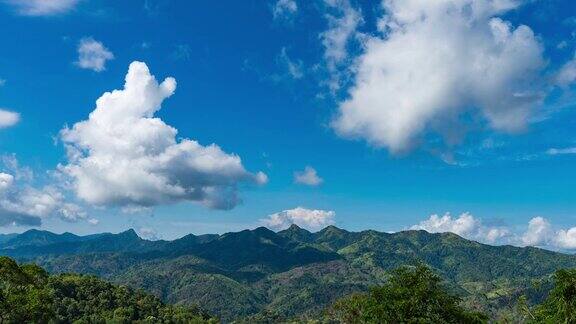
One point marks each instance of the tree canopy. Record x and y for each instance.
(28, 294)
(560, 305)
(411, 295)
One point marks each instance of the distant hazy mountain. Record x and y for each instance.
(293, 272)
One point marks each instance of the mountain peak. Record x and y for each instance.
(297, 233)
(294, 227)
(131, 233)
(331, 229)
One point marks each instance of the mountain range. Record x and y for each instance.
(294, 272)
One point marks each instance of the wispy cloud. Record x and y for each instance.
(284, 9)
(42, 7)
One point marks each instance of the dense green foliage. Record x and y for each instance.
(411, 295)
(294, 273)
(29, 295)
(560, 305)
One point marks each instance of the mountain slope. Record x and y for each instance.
(296, 272)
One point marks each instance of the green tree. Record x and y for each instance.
(411, 295)
(560, 305)
(28, 294)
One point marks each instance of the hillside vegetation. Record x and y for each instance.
(295, 273)
(29, 295)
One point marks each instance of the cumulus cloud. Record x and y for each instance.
(539, 231)
(25, 205)
(8, 118)
(93, 55)
(284, 9)
(311, 219)
(42, 7)
(465, 225)
(566, 239)
(433, 62)
(124, 156)
(308, 177)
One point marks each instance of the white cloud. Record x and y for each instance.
(566, 239)
(22, 204)
(124, 156)
(311, 219)
(435, 61)
(556, 151)
(93, 55)
(567, 74)
(43, 7)
(284, 9)
(464, 225)
(25, 202)
(148, 233)
(342, 25)
(539, 232)
(308, 177)
(6, 181)
(93, 221)
(294, 67)
(8, 118)
(72, 213)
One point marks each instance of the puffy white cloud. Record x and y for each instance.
(566, 239)
(435, 61)
(22, 204)
(72, 213)
(567, 74)
(308, 177)
(93, 221)
(311, 219)
(284, 9)
(42, 7)
(93, 55)
(464, 225)
(124, 156)
(8, 118)
(539, 232)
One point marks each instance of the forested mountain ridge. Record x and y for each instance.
(292, 272)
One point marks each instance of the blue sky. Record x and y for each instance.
(484, 122)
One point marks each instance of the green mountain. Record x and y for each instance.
(296, 273)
